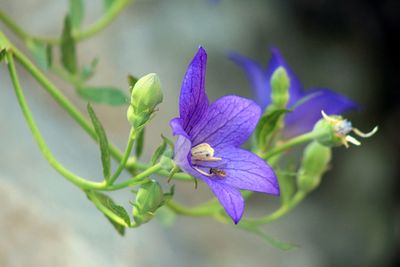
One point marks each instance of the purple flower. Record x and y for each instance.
(209, 137)
(303, 118)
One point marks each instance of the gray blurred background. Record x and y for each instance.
(349, 46)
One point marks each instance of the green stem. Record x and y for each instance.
(178, 176)
(61, 99)
(81, 182)
(307, 137)
(93, 29)
(297, 198)
(138, 179)
(209, 208)
(14, 27)
(122, 164)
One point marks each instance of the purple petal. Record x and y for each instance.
(193, 100)
(304, 117)
(257, 78)
(230, 198)
(183, 146)
(277, 60)
(229, 121)
(245, 170)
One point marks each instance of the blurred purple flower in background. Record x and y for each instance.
(303, 118)
(209, 136)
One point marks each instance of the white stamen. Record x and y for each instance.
(352, 140)
(365, 135)
(202, 172)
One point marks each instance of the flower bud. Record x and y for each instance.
(333, 130)
(280, 88)
(146, 95)
(148, 199)
(315, 161)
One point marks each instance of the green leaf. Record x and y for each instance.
(103, 95)
(267, 125)
(88, 70)
(116, 214)
(159, 151)
(107, 4)
(272, 241)
(67, 46)
(103, 143)
(139, 144)
(41, 53)
(76, 12)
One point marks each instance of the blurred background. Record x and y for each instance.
(352, 219)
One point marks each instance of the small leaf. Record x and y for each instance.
(107, 4)
(139, 143)
(103, 95)
(49, 53)
(76, 12)
(103, 143)
(3, 53)
(272, 241)
(88, 70)
(40, 53)
(116, 214)
(132, 81)
(267, 125)
(68, 53)
(158, 153)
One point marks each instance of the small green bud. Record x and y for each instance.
(333, 130)
(146, 95)
(316, 158)
(148, 199)
(280, 88)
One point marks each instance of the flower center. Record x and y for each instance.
(204, 153)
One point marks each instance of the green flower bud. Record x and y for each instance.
(316, 158)
(148, 199)
(334, 131)
(280, 88)
(146, 95)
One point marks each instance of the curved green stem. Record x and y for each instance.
(178, 176)
(297, 198)
(61, 99)
(207, 209)
(122, 164)
(93, 29)
(138, 179)
(307, 137)
(79, 181)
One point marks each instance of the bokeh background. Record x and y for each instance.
(352, 219)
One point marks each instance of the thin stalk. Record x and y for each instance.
(79, 181)
(93, 29)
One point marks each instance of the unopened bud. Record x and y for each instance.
(280, 88)
(148, 199)
(315, 161)
(146, 95)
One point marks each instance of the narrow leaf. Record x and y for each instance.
(103, 143)
(139, 144)
(39, 52)
(49, 53)
(267, 125)
(116, 214)
(88, 70)
(158, 153)
(68, 53)
(76, 12)
(103, 95)
(132, 81)
(272, 241)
